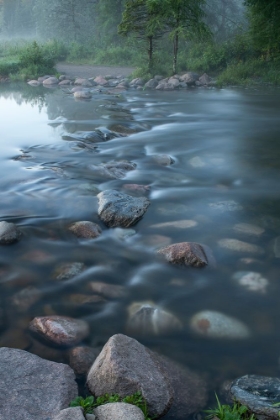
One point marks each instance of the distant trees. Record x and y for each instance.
(264, 16)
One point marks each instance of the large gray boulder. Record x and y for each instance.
(117, 209)
(125, 366)
(259, 394)
(118, 411)
(32, 388)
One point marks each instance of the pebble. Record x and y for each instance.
(85, 230)
(251, 281)
(146, 318)
(248, 229)
(60, 330)
(240, 246)
(163, 160)
(214, 324)
(9, 233)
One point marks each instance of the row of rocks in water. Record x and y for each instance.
(33, 388)
(82, 89)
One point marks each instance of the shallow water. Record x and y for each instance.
(226, 150)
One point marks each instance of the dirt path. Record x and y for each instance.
(86, 71)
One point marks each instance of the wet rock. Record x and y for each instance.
(151, 84)
(259, 394)
(189, 254)
(164, 85)
(9, 233)
(51, 385)
(137, 82)
(72, 413)
(251, 280)
(50, 81)
(82, 94)
(33, 83)
(125, 366)
(190, 78)
(68, 270)
(83, 82)
(137, 189)
(146, 318)
(81, 359)
(240, 246)
(101, 81)
(110, 291)
(85, 230)
(205, 79)
(228, 205)
(42, 78)
(125, 130)
(15, 338)
(196, 162)
(123, 234)
(60, 330)
(214, 324)
(25, 298)
(119, 411)
(163, 160)
(65, 82)
(248, 229)
(276, 247)
(174, 82)
(120, 210)
(114, 170)
(177, 224)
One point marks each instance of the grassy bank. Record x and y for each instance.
(233, 62)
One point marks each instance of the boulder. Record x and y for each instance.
(214, 324)
(117, 209)
(189, 254)
(189, 78)
(151, 84)
(125, 366)
(50, 81)
(101, 81)
(118, 411)
(32, 388)
(174, 82)
(9, 233)
(205, 79)
(72, 413)
(82, 94)
(59, 330)
(33, 83)
(82, 82)
(65, 82)
(259, 394)
(85, 230)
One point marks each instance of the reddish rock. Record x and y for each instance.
(188, 253)
(60, 330)
(85, 230)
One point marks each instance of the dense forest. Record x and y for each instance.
(154, 35)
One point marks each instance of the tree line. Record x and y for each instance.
(105, 21)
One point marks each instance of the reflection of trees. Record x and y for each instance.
(22, 93)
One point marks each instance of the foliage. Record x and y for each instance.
(89, 403)
(230, 412)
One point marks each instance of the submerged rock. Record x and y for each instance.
(85, 230)
(240, 246)
(163, 160)
(9, 233)
(251, 281)
(50, 81)
(68, 270)
(259, 394)
(248, 229)
(177, 224)
(117, 209)
(227, 205)
(110, 291)
(114, 170)
(189, 254)
(82, 94)
(146, 318)
(60, 330)
(214, 324)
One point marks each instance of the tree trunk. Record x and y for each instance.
(175, 52)
(150, 53)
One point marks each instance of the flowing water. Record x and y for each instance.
(226, 163)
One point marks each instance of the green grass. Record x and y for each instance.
(89, 403)
(230, 412)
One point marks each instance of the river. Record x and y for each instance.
(224, 176)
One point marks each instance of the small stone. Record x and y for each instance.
(146, 318)
(118, 411)
(240, 246)
(163, 160)
(251, 281)
(110, 291)
(9, 233)
(117, 209)
(178, 224)
(189, 254)
(90, 417)
(60, 330)
(68, 270)
(71, 413)
(248, 229)
(85, 230)
(214, 324)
